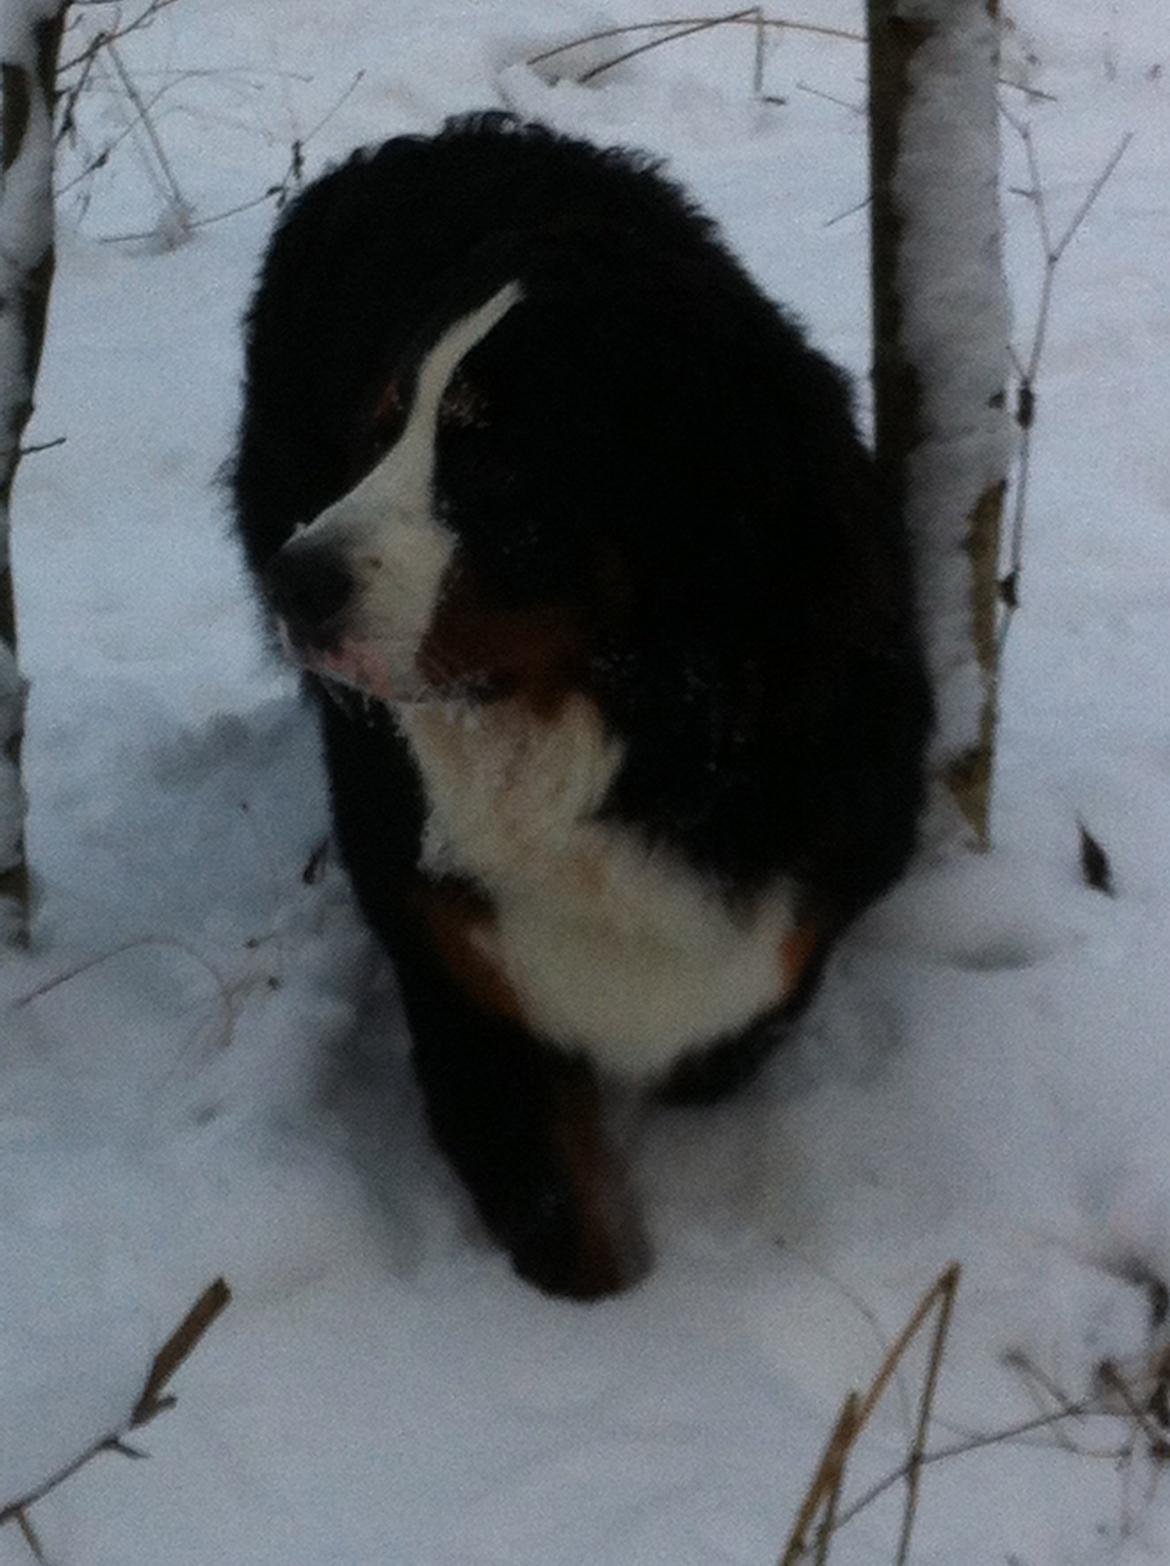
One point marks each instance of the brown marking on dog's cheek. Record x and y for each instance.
(458, 919)
(536, 656)
(612, 1250)
(797, 952)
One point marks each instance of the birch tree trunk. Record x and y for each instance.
(30, 42)
(940, 313)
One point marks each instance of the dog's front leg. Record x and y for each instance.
(522, 1124)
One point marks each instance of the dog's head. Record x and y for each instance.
(559, 456)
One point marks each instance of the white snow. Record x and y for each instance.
(202, 1066)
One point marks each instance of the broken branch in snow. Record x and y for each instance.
(1028, 370)
(152, 1401)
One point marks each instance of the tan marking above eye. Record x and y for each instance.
(389, 406)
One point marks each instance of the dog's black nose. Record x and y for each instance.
(309, 586)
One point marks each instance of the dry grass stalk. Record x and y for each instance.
(1142, 1400)
(824, 1490)
(822, 1497)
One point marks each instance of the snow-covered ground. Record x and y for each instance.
(202, 1068)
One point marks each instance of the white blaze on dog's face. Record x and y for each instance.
(387, 535)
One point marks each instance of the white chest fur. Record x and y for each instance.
(610, 947)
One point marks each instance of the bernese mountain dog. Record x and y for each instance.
(612, 639)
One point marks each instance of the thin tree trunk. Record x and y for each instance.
(940, 314)
(30, 43)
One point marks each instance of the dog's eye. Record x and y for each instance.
(463, 406)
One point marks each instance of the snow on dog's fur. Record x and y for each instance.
(528, 458)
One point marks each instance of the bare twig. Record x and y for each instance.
(1094, 191)
(749, 18)
(1034, 1378)
(759, 54)
(44, 445)
(228, 993)
(858, 206)
(1090, 1407)
(280, 191)
(829, 97)
(32, 1538)
(1113, 1381)
(686, 31)
(358, 78)
(178, 202)
(1027, 369)
(960, 1449)
(164, 941)
(273, 191)
(154, 1400)
(1159, 1400)
(68, 98)
(101, 158)
(108, 35)
(738, 18)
